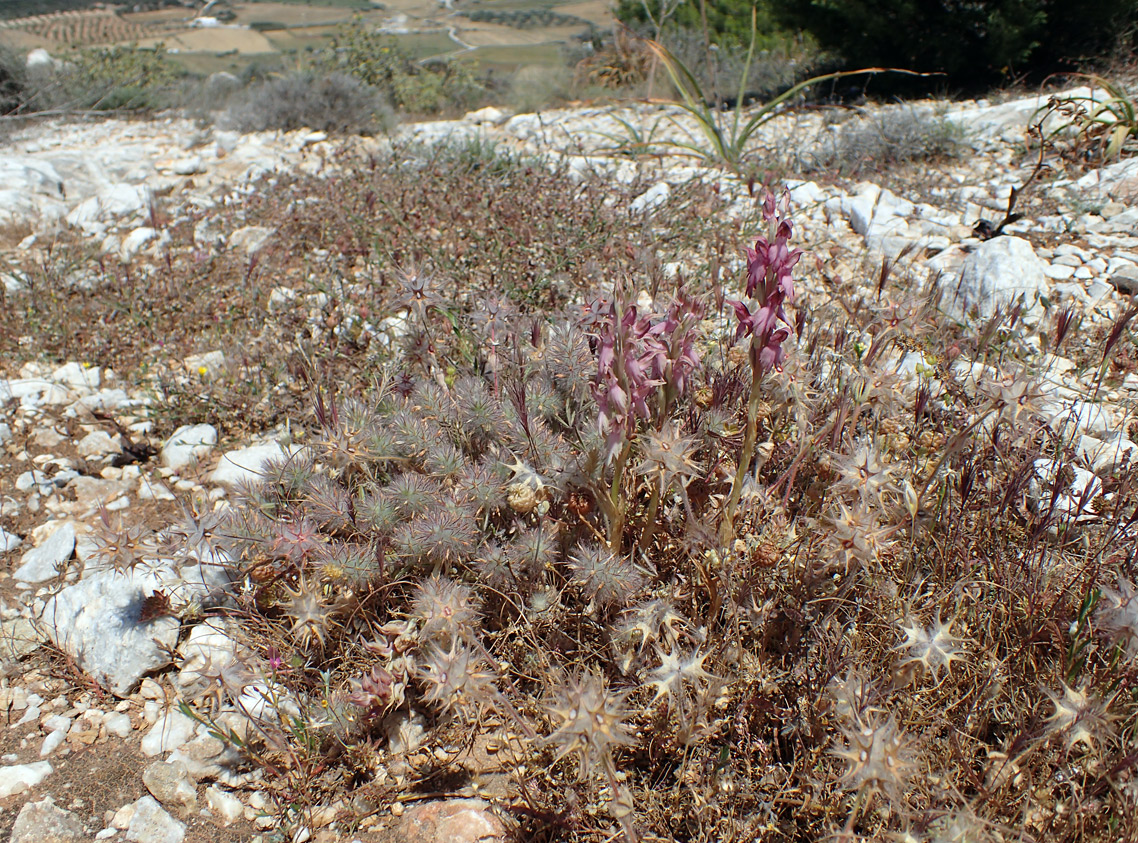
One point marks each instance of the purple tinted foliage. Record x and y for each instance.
(769, 283)
(636, 355)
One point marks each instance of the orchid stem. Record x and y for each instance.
(727, 528)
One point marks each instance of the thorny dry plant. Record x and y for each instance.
(508, 542)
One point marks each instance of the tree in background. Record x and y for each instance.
(973, 42)
(728, 21)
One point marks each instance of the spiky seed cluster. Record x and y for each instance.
(348, 562)
(295, 540)
(932, 647)
(122, 549)
(328, 503)
(677, 672)
(456, 677)
(1117, 616)
(377, 512)
(865, 474)
(606, 578)
(291, 474)
(879, 758)
(1080, 718)
(852, 694)
(412, 494)
(533, 551)
(216, 678)
(589, 721)
(856, 539)
(653, 623)
(311, 616)
(345, 437)
(480, 488)
(436, 538)
(480, 415)
(446, 610)
(668, 456)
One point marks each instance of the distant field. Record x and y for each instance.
(504, 33)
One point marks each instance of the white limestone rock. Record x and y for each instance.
(170, 784)
(43, 822)
(996, 274)
(170, 731)
(96, 622)
(98, 443)
(246, 465)
(151, 824)
(43, 562)
(225, 806)
(19, 777)
(188, 445)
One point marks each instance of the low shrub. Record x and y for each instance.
(109, 79)
(882, 137)
(536, 86)
(12, 80)
(330, 102)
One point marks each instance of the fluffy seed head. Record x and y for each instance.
(864, 473)
(533, 551)
(676, 671)
(606, 578)
(446, 610)
(436, 538)
(480, 488)
(456, 677)
(411, 494)
(311, 616)
(668, 456)
(348, 562)
(295, 540)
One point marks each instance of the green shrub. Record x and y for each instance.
(377, 60)
(536, 86)
(728, 21)
(973, 43)
(124, 77)
(719, 71)
(332, 103)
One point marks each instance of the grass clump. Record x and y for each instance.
(885, 137)
(332, 103)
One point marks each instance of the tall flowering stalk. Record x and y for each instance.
(762, 317)
(643, 362)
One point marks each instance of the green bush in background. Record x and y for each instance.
(376, 60)
(975, 43)
(728, 21)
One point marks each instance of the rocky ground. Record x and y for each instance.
(95, 744)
